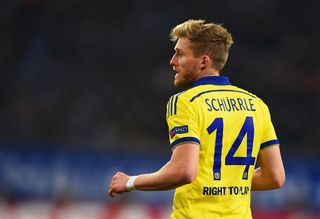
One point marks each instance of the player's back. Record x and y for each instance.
(230, 124)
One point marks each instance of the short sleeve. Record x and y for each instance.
(182, 120)
(269, 136)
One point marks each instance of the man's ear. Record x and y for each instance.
(204, 62)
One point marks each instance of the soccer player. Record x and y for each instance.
(217, 132)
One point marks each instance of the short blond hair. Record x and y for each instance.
(206, 38)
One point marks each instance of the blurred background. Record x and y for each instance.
(83, 91)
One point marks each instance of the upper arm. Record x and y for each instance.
(270, 162)
(185, 159)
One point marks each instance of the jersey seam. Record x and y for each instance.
(184, 140)
(220, 90)
(269, 143)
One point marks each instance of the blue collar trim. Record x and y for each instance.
(216, 80)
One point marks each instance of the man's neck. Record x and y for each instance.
(208, 72)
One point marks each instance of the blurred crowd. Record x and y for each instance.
(96, 74)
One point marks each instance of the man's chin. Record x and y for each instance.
(177, 83)
(181, 84)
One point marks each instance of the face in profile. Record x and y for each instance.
(184, 63)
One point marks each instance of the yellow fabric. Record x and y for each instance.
(229, 109)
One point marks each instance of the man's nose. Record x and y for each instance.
(173, 60)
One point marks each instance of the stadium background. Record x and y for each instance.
(83, 89)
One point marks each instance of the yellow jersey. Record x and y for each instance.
(231, 126)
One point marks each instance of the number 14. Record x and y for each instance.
(247, 129)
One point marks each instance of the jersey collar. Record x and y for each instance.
(216, 80)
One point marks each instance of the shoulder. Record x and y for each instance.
(173, 103)
(184, 96)
(244, 91)
(258, 99)
(261, 104)
(180, 102)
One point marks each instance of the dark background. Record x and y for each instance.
(94, 76)
(95, 73)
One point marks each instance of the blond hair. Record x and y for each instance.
(206, 38)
